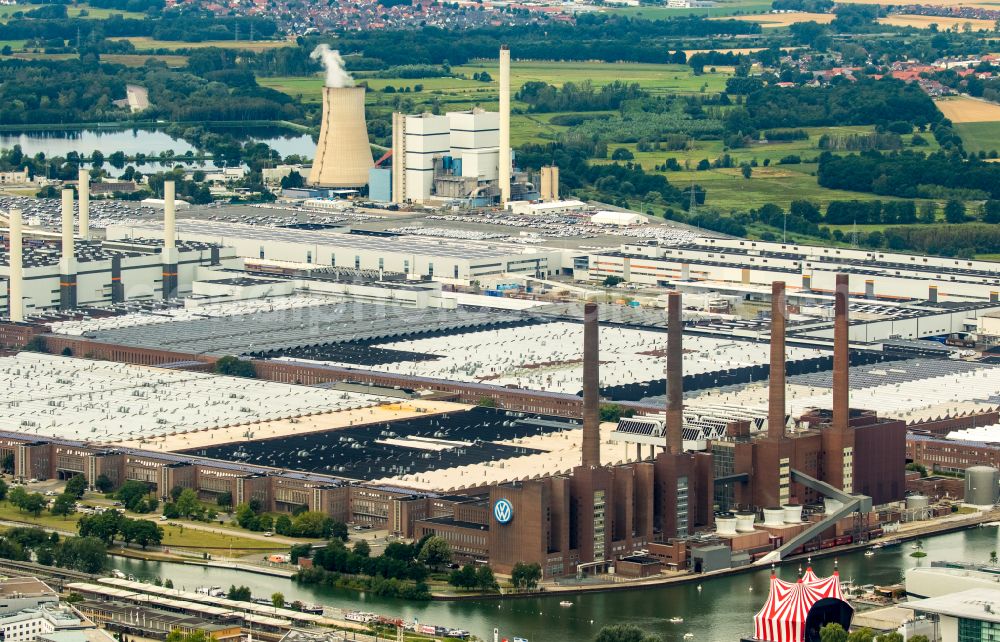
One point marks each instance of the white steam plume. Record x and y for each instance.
(336, 75)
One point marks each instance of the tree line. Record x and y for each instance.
(910, 174)
(87, 554)
(401, 571)
(865, 102)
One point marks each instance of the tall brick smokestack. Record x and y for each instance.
(776, 382)
(841, 357)
(675, 375)
(591, 388)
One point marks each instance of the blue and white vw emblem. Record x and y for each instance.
(503, 511)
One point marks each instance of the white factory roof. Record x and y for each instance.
(160, 203)
(548, 357)
(915, 390)
(606, 217)
(222, 309)
(101, 401)
(561, 454)
(986, 434)
(222, 603)
(227, 233)
(978, 604)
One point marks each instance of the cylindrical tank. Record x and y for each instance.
(831, 506)
(793, 513)
(774, 517)
(725, 525)
(982, 485)
(744, 522)
(918, 504)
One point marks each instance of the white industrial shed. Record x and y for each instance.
(607, 217)
(442, 260)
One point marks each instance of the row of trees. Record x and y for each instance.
(865, 102)
(87, 554)
(112, 524)
(543, 97)
(910, 174)
(401, 570)
(471, 578)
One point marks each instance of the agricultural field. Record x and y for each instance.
(143, 43)
(978, 4)
(779, 184)
(138, 60)
(978, 137)
(776, 20)
(968, 110)
(943, 23)
(722, 8)
(73, 11)
(464, 93)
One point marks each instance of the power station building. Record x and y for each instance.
(461, 156)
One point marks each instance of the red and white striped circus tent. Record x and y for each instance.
(783, 617)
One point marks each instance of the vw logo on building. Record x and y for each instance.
(503, 511)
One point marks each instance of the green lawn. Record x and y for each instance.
(979, 136)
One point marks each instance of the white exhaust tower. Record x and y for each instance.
(504, 176)
(15, 286)
(84, 204)
(67, 265)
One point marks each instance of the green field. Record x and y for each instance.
(143, 43)
(978, 137)
(654, 78)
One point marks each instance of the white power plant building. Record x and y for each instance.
(446, 157)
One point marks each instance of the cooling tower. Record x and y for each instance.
(793, 513)
(744, 522)
(725, 525)
(343, 156)
(774, 517)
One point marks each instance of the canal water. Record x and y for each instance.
(145, 141)
(720, 611)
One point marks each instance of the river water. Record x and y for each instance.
(145, 141)
(721, 611)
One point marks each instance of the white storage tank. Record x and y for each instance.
(915, 502)
(982, 485)
(831, 506)
(725, 525)
(774, 517)
(793, 513)
(744, 522)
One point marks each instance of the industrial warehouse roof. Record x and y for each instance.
(107, 402)
(911, 390)
(978, 604)
(224, 603)
(254, 328)
(548, 357)
(223, 232)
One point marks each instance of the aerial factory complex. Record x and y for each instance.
(603, 396)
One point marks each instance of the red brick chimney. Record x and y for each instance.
(776, 382)
(675, 375)
(841, 357)
(591, 388)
